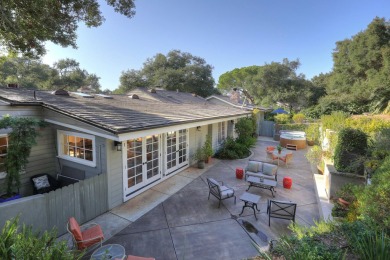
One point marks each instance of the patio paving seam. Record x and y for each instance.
(169, 229)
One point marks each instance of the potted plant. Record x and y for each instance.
(199, 155)
(279, 148)
(208, 149)
(312, 134)
(20, 141)
(314, 156)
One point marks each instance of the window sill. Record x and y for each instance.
(79, 161)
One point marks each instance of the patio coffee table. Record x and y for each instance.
(110, 251)
(250, 201)
(262, 183)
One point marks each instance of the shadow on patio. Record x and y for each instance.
(184, 224)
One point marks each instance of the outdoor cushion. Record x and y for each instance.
(75, 229)
(269, 169)
(41, 182)
(253, 166)
(214, 181)
(93, 235)
(226, 192)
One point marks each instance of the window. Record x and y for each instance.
(221, 132)
(77, 147)
(3, 152)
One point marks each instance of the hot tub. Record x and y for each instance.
(297, 138)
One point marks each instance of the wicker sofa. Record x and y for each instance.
(261, 169)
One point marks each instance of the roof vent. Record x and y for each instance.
(60, 92)
(194, 95)
(134, 96)
(153, 90)
(177, 90)
(104, 96)
(83, 95)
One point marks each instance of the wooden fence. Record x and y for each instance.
(84, 200)
(267, 128)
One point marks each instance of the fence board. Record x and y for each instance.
(267, 128)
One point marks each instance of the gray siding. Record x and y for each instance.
(114, 175)
(42, 158)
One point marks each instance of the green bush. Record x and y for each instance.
(232, 150)
(245, 129)
(335, 121)
(349, 193)
(282, 118)
(350, 149)
(298, 118)
(292, 127)
(375, 202)
(23, 243)
(313, 133)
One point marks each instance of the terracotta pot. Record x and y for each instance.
(343, 202)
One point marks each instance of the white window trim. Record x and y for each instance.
(61, 155)
(221, 132)
(3, 174)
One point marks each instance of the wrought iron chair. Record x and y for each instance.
(281, 209)
(86, 235)
(221, 192)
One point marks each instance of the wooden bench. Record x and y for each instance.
(291, 147)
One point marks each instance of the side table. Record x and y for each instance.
(250, 201)
(110, 251)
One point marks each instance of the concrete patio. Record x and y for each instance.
(175, 219)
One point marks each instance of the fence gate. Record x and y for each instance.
(267, 128)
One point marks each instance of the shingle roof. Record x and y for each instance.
(168, 96)
(121, 114)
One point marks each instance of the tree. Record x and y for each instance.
(360, 80)
(270, 83)
(29, 73)
(25, 26)
(176, 71)
(72, 77)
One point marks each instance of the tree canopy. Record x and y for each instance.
(175, 71)
(270, 83)
(360, 79)
(32, 73)
(25, 26)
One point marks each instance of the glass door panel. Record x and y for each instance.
(134, 163)
(152, 157)
(176, 145)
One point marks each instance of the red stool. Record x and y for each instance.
(287, 182)
(239, 173)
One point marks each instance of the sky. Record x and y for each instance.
(228, 34)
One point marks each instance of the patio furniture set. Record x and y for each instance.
(260, 175)
(90, 235)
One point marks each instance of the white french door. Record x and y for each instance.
(176, 143)
(142, 165)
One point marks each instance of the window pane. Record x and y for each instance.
(3, 141)
(88, 144)
(139, 179)
(130, 182)
(130, 173)
(88, 155)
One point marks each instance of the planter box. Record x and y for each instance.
(334, 180)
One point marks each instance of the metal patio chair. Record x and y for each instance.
(281, 209)
(221, 192)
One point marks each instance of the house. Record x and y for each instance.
(138, 140)
(235, 100)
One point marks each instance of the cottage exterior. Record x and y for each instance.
(138, 140)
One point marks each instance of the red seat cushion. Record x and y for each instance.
(75, 229)
(93, 235)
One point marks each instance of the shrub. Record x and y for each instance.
(16, 243)
(313, 133)
(375, 203)
(314, 155)
(292, 127)
(232, 150)
(282, 118)
(349, 193)
(298, 118)
(245, 129)
(351, 147)
(335, 121)
(369, 125)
